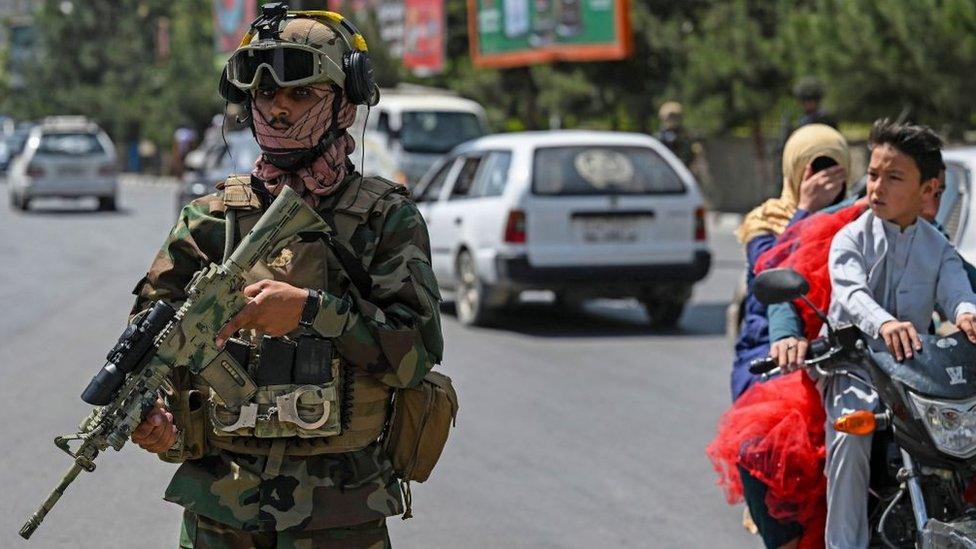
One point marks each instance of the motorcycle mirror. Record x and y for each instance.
(779, 285)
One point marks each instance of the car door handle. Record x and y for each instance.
(457, 221)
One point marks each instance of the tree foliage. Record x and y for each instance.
(731, 62)
(103, 60)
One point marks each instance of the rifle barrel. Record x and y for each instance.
(35, 520)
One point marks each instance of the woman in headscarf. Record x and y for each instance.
(816, 171)
(816, 168)
(769, 449)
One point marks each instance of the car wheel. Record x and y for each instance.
(569, 301)
(20, 201)
(472, 310)
(106, 203)
(664, 314)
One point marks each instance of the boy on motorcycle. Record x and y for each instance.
(887, 274)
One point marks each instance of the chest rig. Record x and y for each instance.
(310, 400)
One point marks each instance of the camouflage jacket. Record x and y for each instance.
(394, 334)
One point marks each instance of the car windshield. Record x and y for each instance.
(596, 170)
(70, 144)
(437, 131)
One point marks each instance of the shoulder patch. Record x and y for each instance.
(236, 193)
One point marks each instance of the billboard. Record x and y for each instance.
(512, 33)
(232, 18)
(423, 43)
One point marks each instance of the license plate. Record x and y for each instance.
(601, 230)
(71, 171)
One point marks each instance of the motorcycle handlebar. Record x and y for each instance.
(768, 366)
(762, 365)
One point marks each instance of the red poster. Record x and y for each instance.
(231, 20)
(423, 38)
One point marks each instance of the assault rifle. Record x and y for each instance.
(127, 387)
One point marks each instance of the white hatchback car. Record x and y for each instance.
(65, 156)
(581, 213)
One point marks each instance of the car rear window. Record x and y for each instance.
(596, 170)
(70, 144)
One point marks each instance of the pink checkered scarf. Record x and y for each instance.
(322, 177)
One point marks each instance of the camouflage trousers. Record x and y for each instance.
(199, 532)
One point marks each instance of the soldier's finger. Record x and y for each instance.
(166, 440)
(791, 353)
(141, 431)
(255, 289)
(147, 424)
(154, 435)
(241, 320)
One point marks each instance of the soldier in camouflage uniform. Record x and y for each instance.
(241, 491)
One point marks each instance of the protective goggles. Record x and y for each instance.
(289, 64)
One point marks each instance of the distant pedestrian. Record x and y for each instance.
(184, 140)
(809, 91)
(673, 133)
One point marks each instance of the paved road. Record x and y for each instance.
(575, 431)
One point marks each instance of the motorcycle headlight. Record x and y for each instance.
(951, 424)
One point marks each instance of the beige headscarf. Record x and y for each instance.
(803, 146)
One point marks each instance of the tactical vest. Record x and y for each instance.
(365, 405)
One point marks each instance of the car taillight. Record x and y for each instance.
(700, 234)
(515, 227)
(107, 169)
(34, 171)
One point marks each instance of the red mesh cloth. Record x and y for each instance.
(804, 247)
(776, 432)
(776, 429)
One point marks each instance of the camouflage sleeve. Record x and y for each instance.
(396, 334)
(188, 248)
(195, 238)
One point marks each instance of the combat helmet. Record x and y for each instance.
(809, 88)
(294, 48)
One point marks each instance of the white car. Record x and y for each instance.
(581, 213)
(65, 156)
(955, 212)
(412, 128)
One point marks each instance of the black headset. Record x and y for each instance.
(360, 84)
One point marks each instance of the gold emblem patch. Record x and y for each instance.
(283, 259)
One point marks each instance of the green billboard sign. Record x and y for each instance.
(509, 33)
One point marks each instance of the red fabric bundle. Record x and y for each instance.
(805, 247)
(776, 429)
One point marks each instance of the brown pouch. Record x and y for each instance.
(190, 414)
(422, 418)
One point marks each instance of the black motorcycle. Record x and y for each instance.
(924, 442)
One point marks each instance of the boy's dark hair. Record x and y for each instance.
(919, 142)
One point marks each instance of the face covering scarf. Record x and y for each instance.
(322, 176)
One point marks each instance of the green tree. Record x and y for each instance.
(915, 58)
(102, 62)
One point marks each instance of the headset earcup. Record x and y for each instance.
(230, 92)
(360, 85)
